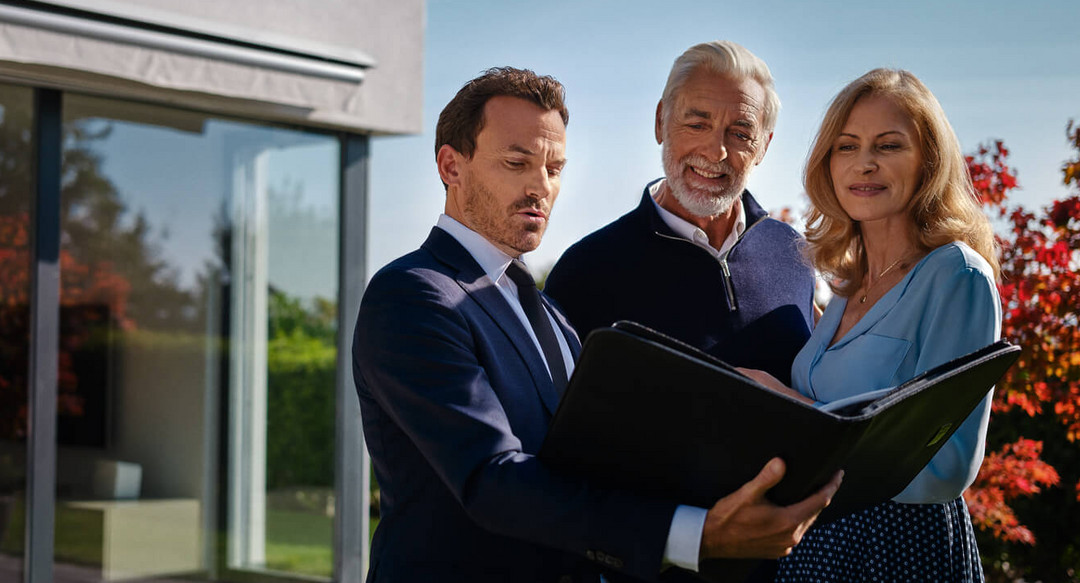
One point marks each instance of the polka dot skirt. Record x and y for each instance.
(889, 542)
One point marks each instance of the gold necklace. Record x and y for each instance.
(862, 300)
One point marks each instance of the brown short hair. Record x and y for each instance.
(463, 118)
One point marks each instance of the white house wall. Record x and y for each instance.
(382, 41)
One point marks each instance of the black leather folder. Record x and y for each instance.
(648, 413)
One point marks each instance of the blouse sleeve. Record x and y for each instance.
(963, 315)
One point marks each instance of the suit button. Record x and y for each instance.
(566, 579)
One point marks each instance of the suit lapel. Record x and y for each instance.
(483, 291)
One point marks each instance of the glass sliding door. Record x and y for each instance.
(16, 201)
(283, 315)
(197, 346)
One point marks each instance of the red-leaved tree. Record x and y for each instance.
(81, 284)
(1040, 293)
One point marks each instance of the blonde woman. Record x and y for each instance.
(894, 222)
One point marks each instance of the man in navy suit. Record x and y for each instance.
(457, 385)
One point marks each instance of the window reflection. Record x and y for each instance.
(198, 303)
(16, 163)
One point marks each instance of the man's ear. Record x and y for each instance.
(764, 148)
(449, 162)
(659, 129)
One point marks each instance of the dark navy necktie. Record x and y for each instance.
(541, 325)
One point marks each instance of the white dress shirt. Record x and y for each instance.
(494, 263)
(689, 231)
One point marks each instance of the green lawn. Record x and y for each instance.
(78, 534)
(299, 542)
(296, 542)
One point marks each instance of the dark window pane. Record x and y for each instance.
(16, 201)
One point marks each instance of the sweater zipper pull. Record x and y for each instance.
(729, 288)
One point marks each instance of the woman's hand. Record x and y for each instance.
(771, 382)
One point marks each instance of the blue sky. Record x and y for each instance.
(1002, 70)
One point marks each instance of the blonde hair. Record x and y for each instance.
(944, 208)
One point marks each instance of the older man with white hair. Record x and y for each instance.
(699, 259)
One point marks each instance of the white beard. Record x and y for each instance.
(704, 204)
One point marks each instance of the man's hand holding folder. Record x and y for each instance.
(745, 524)
(716, 426)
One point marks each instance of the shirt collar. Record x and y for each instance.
(490, 258)
(689, 231)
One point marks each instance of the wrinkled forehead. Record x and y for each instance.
(712, 93)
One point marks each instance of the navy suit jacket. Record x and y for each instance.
(455, 401)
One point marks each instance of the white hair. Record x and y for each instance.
(725, 58)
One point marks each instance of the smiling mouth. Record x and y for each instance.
(866, 188)
(706, 173)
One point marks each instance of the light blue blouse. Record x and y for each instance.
(945, 307)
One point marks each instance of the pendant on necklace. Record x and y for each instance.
(862, 300)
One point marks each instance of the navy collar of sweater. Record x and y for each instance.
(647, 209)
